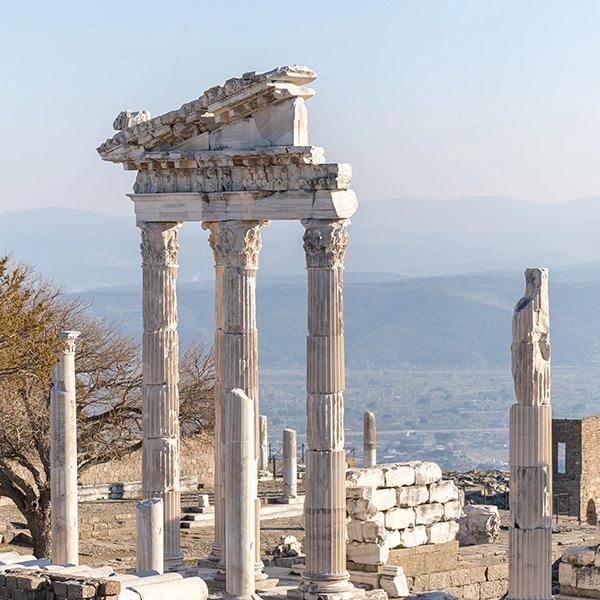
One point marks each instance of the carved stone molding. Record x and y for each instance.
(160, 243)
(235, 243)
(325, 242)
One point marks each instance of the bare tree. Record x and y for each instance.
(109, 380)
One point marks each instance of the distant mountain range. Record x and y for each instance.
(461, 321)
(409, 237)
(429, 283)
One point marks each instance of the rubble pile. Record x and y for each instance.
(483, 487)
(401, 505)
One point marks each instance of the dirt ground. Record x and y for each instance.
(116, 547)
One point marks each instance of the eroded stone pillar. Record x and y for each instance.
(369, 440)
(325, 574)
(236, 246)
(150, 520)
(263, 441)
(160, 450)
(290, 466)
(240, 488)
(63, 455)
(530, 446)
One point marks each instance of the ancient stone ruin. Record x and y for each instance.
(234, 159)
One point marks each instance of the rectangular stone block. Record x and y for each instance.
(399, 475)
(588, 578)
(427, 472)
(354, 530)
(453, 510)
(369, 554)
(373, 477)
(426, 514)
(493, 589)
(567, 574)
(425, 559)
(384, 498)
(400, 518)
(497, 571)
(415, 536)
(442, 532)
(411, 496)
(443, 491)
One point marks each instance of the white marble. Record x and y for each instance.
(369, 440)
(63, 454)
(150, 536)
(160, 413)
(530, 447)
(290, 465)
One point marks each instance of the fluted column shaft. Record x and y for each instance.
(290, 465)
(160, 450)
(325, 504)
(369, 440)
(236, 246)
(263, 441)
(240, 493)
(530, 446)
(63, 455)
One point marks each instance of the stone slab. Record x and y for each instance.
(425, 559)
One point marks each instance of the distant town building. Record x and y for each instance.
(575, 453)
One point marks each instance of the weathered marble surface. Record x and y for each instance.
(530, 447)
(369, 440)
(63, 455)
(150, 525)
(160, 413)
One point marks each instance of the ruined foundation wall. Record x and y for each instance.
(567, 431)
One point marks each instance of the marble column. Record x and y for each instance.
(325, 574)
(160, 449)
(150, 520)
(290, 466)
(240, 489)
(63, 455)
(369, 440)
(263, 440)
(236, 246)
(530, 446)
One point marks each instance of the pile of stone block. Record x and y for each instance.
(579, 572)
(479, 524)
(401, 505)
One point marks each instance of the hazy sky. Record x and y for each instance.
(425, 98)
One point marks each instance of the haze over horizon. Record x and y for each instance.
(426, 100)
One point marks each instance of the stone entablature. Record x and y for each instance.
(402, 505)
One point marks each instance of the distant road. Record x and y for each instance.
(404, 431)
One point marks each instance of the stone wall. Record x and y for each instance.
(467, 582)
(196, 461)
(581, 481)
(567, 485)
(398, 506)
(578, 574)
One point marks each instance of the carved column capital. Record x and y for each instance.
(235, 243)
(69, 338)
(160, 243)
(325, 242)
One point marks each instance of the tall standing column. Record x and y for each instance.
(369, 440)
(290, 466)
(63, 455)
(530, 536)
(236, 246)
(160, 450)
(325, 503)
(240, 492)
(263, 441)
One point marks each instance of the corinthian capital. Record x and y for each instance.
(160, 243)
(69, 338)
(325, 242)
(235, 243)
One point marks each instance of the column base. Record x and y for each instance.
(174, 563)
(316, 591)
(249, 597)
